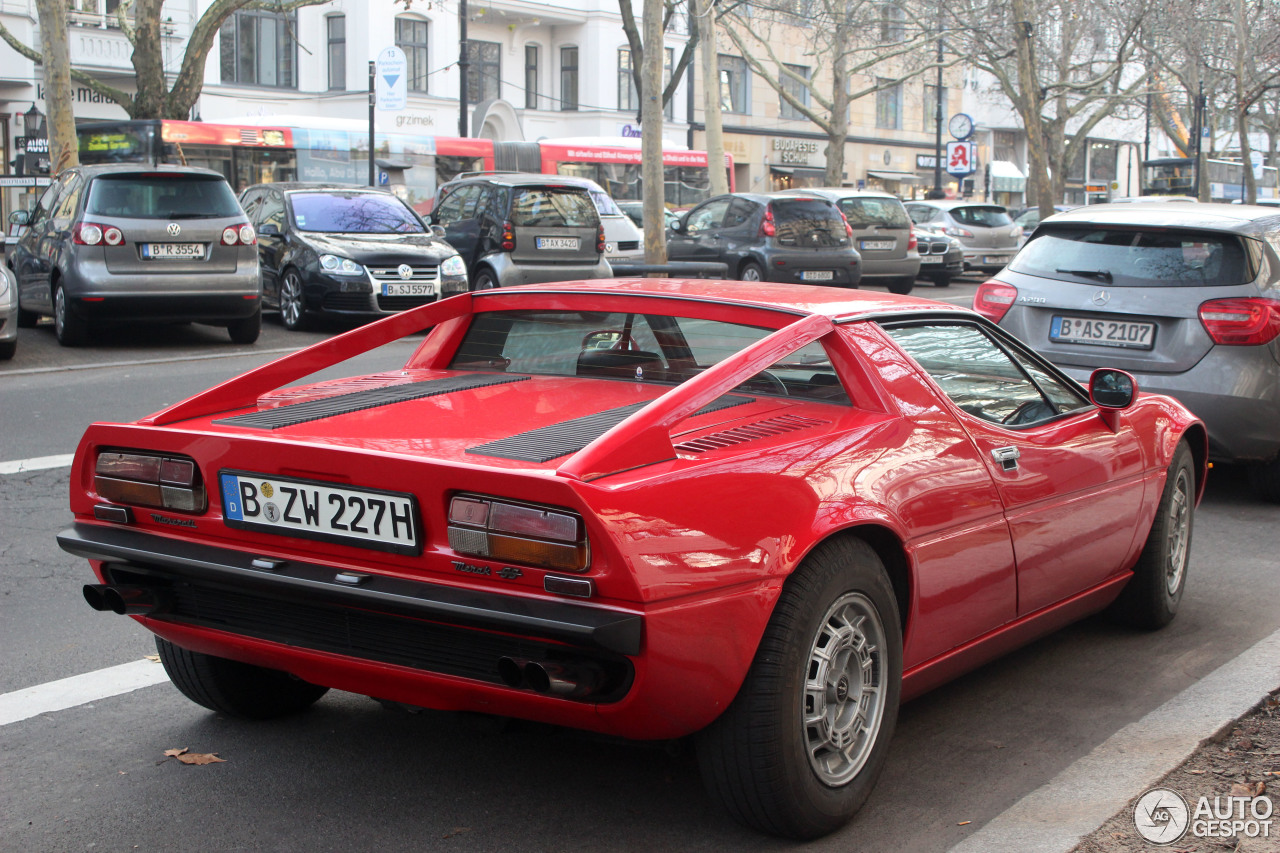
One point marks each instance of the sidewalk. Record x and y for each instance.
(1092, 800)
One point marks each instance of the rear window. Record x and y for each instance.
(565, 207)
(604, 203)
(1136, 258)
(162, 196)
(353, 213)
(873, 212)
(983, 217)
(797, 219)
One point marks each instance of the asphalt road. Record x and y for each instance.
(352, 775)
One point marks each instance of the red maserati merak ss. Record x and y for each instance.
(759, 514)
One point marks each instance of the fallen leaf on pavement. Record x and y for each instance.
(1248, 789)
(153, 658)
(174, 753)
(200, 758)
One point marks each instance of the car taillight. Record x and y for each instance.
(247, 235)
(508, 236)
(994, 299)
(548, 537)
(93, 234)
(144, 479)
(848, 229)
(767, 228)
(1246, 321)
(242, 235)
(953, 231)
(230, 235)
(600, 241)
(912, 242)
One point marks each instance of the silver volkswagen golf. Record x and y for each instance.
(1184, 297)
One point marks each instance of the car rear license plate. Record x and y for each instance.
(931, 259)
(817, 275)
(570, 243)
(876, 244)
(172, 251)
(1102, 333)
(368, 518)
(408, 289)
(995, 259)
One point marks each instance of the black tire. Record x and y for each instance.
(902, 286)
(233, 688)
(27, 319)
(293, 301)
(246, 331)
(485, 280)
(7, 350)
(1265, 479)
(943, 280)
(69, 329)
(1151, 598)
(751, 271)
(756, 758)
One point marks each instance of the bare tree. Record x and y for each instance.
(159, 94)
(1252, 65)
(651, 118)
(60, 120)
(1065, 65)
(669, 10)
(858, 46)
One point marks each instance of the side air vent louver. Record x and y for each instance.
(749, 432)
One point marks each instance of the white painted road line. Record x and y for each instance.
(37, 463)
(79, 690)
(1054, 817)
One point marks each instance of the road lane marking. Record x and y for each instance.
(27, 371)
(36, 463)
(79, 690)
(1057, 815)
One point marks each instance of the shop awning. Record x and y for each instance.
(1006, 177)
(799, 171)
(890, 175)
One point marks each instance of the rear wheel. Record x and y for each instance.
(27, 319)
(799, 749)
(901, 285)
(233, 688)
(246, 331)
(485, 280)
(7, 350)
(1266, 480)
(1152, 596)
(943, 280)
(70, 330)
(293, 307)
(751, 271)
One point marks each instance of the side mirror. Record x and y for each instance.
(438, 231)
(678, 226)
(269, 229)
(20, 217)
(1112, 391)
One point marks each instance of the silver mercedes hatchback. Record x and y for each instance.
(1184, 297)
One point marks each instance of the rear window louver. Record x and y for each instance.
(332, 388)
(748, 432)
(356, 401)
(552, 442)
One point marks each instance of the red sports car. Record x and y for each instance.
(759, 514)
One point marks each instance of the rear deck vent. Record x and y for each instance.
(748, 432)
(357, 401)
(331, 388)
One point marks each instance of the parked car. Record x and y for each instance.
(635, 211)
(802, 239)
(941, 257)
(986, 231)
(346, 251)
(8, 314)
(513, 228)
(756, 514)
(135, 242)
(1154, 199)
(882, 234)
(1029, 217)
(1186, 298)
(623, 239)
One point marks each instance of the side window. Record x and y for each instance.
(70, 197)
(483, 197)
(740, 212)
(708, 216)
(272, 212)
(250, 203)
(980, 377)
(451, 206)
(47, 201)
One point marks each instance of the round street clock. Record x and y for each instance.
(961, 126)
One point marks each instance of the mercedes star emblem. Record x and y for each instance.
(1102, 297)
(174, 229)
(405, 271)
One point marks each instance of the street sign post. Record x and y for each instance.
(392, 78)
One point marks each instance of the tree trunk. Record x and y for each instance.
(655, 236)
(839, 130)
(64, 151)
(712, 117)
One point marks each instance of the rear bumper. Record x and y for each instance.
(907, 267)
(167, 307)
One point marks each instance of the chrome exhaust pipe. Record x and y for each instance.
(94, 594)
(571, 680)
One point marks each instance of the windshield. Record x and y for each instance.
(353, 213)
(553, 207)
(158, 195)
(652, 348)
(604, 203)
(1132, 257)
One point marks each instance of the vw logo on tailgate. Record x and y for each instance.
(174, 229)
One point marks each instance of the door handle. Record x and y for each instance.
(1007, 457)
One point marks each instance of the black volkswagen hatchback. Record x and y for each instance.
(351, 251)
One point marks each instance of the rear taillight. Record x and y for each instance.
(1247, 321)
(848, 229)
(767, 228)
(248, 237)
(239, 235)
(144, 479)
(230, 236)
(600, 241)
(994, 299)
(93, 234)
(548, 537)
(508, 237)
(955, 231)
(912, 242)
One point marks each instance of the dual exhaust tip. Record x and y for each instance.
(568, 680)
(125, 600)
